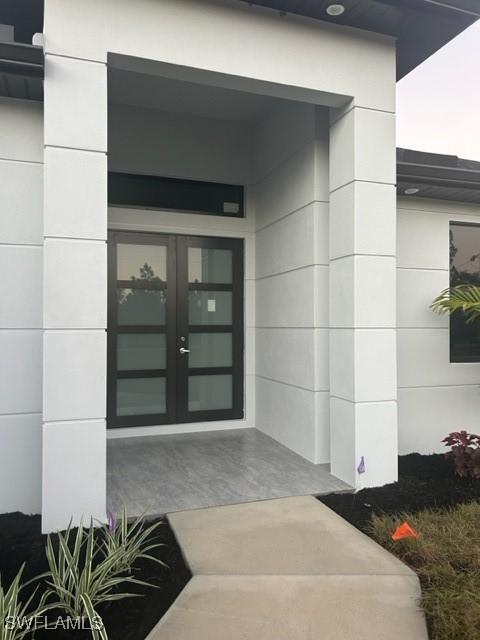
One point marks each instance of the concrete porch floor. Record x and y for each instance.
(162, 474)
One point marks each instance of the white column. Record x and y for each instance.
(75, 292)
(363, 407)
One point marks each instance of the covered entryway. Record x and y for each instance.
(177, 95)
(161, 474)
(219, 328)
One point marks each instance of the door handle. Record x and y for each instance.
(182, 350)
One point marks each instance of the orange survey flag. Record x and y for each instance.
(404, 531)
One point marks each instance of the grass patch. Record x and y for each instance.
(446, 558)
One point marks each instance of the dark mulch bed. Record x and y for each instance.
(424, 482)
(128, 619)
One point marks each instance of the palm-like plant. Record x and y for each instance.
(462, 297)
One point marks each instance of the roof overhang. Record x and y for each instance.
(432, 175)
(21, 71)
(420, 27)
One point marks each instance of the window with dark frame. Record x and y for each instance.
(190, 196)
(464, 269)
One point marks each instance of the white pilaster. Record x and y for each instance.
(363, 420)
(75, 292)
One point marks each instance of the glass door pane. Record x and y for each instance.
(141, 283)
(210, 350)
(209, 265)
(137, 351)
(209, 392)
(211, 328)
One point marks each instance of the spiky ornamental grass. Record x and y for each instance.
(446, 558)
(17, 618)
(130, 542)
(93, 566)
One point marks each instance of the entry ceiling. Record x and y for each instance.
(177, 96)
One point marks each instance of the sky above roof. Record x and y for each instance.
(438, 103)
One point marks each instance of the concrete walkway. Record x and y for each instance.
(287, 569)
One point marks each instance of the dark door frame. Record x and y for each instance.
(177, 371)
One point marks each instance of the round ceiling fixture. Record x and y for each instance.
(335, 10)
(411, 191)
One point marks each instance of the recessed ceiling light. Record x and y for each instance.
(412, 191)
(335, 9)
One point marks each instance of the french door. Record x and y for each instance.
(175, 329)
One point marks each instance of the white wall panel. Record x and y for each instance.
(20, 371)
(322, 427)
(249, 350)
(289, 188)
(21, 463)
(362, 147)
(322, 359)
(75, 284)
(361, 370)
(287, 244)
(287, 355)
(75, 388)
(287, 414)
(281, 134)
(85, 487)
(363, 295)
(321, 232)
(375, 378)
(21, 269)
(75, 103)
(364, 220)
(374, 438)
(422, 240)
(294, 356)
(21, 130)
(286, 300)
(21, 195)
(75, 194)
(416, 288)
(424, 360)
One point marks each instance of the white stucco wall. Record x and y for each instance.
(291, 201)
(435, 396)
(21, 239)
(248, 43)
